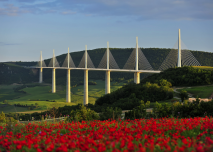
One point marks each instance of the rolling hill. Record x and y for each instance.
(15, 72)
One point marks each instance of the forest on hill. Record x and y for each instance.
(155, 56)
(156, 87)
(184, 76)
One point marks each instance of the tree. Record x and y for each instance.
(110, 113)
(2, 117)
(164, 82)
(36, 104)
(183, 95)
(54, 110)
(82, 114)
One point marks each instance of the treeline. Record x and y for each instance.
(184, 76)
(10, 73)
(79, 112)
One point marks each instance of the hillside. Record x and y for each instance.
(155, 56)
(184, 76)
(13, 73)
(156, 87)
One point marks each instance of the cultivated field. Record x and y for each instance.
(199, 91)
(43, 96)
(204, 67)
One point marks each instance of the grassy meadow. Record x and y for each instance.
(43, 96)
(204, 67)
(199, 91)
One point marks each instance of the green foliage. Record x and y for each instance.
(82, 114)
(184, 76)
(200, 91)
(11, 73)
(110, 113)
(164, 82)
(184, 110)
(130, 95)
(162, 110)
(138, 112)
(2, 117)
(183, 95)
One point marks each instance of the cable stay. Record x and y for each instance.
(187, 58)
(71, 63)
(142, 61)
(89, 62)
(112, 62)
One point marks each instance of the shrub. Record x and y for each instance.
(110, 113)
(183, 95)
(2, 117)
(138, 112)
(162, 110)
(82, 114)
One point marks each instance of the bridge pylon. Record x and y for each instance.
(40, 65)
(107, 75)
(137, 61)
(108, 62)
(137, 74)
(179, 56)
(53, 63)
(69, 64)
(179, 50)
(41, 70)
(85, 78)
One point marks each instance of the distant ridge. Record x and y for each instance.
(155, 56)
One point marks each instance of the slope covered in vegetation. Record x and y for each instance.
(155, 56)
(184, 76)
(156, 87)
(12, 73)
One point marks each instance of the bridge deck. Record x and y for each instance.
(97, 69)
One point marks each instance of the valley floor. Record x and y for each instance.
(45, 99)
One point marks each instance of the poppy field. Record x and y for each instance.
(151, 135)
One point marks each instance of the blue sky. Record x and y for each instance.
(30, 26)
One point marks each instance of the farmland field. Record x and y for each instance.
(199, 91)
(43, 96)
(165, 134)
(204, 67)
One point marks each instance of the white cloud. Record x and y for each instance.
(11, 10)
(68, 12)
(141, 9)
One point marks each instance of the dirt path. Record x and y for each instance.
(175, 90)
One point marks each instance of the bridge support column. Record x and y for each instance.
(179, 50)
(53, 82)
(41, 75)
(107, 82)
(68, 97)
(85, 87)
(137, 77)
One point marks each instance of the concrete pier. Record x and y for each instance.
(85, 79)
(85, 87)
(107, 76)
(53, 82)
(68, 96)
(107, 82)
(137, 77)
(136, 74)
(41, 75)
